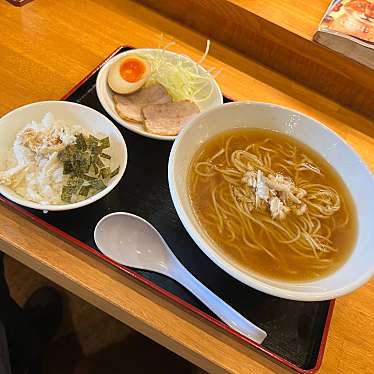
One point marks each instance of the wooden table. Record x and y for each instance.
(49, 45)
(279, 34)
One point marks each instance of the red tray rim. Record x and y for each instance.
(63, 235)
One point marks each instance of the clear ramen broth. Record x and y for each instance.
(272, 205)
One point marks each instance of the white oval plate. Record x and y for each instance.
(105, 94)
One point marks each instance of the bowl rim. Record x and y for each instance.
(91, 199)
(103, 72)
(237, 273)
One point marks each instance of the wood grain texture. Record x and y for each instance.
(279, 34)
(49, 45)
(297, 16)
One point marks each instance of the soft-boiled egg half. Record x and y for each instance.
(128, 74)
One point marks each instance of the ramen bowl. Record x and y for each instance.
(87, 118)
(356, 270)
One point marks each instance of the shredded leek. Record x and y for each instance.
(182, 78)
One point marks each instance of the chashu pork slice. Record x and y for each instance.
(129, 107)
(168, 119)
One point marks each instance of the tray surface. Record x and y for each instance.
(296, 330)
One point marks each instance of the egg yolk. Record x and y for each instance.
(132, 69)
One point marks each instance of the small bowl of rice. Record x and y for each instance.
(58, 155)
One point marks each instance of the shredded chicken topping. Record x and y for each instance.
(275, 192)
(32, 168)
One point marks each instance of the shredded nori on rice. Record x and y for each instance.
(105, 143)
(84, 191)
(114, 172)
(82, 161)
(104, 155)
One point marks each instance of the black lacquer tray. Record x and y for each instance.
(297, 331)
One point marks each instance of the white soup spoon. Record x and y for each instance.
(134, 242)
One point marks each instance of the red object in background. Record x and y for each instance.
(351, 19)
(366, 7)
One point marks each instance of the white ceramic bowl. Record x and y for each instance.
(95, 122)
(358, 268)
(105, 94)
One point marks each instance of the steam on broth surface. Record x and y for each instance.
(272, 205)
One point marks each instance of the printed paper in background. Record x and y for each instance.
(351, 17)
